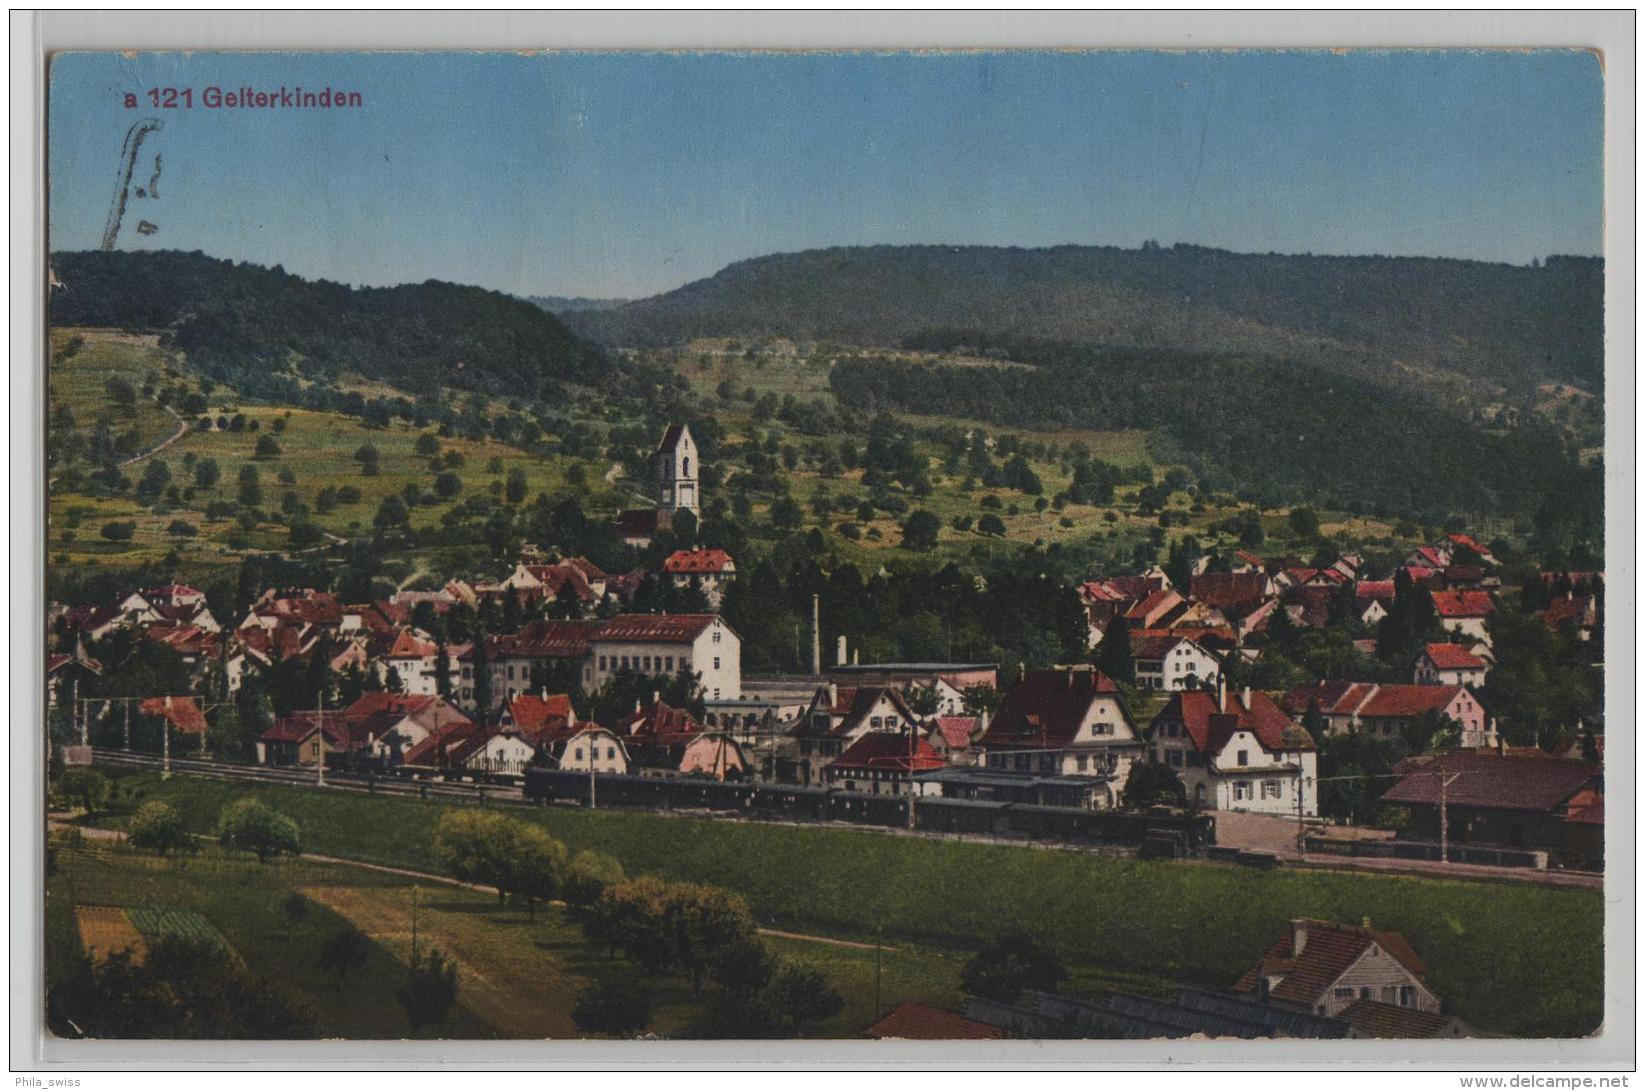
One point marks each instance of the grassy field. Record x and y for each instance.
(1507, 958)
(518, 976)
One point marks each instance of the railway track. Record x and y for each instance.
(296, 778)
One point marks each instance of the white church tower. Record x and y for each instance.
(677, 469)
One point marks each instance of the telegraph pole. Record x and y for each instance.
(165, 743)
(319, 740)
(127, 739)
(1444, 817)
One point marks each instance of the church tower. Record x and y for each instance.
(677, 488)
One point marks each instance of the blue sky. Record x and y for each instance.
(626, 174)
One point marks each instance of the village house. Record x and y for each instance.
(667, 644)
(836, 718)
(1373, 599)
(542, 650)
(952, 737)
(1465, 613)
(944, 685)
(710, 569)
(1237, 752)
(1106, 599)
(68, 675)
(1450, 665)
(1174, 663)
(1578, 613)
(578, 583)
(1394, 710)
(203, 652)
(414, 661)
(883, 763)
(1522, 800)
(1068, 721)
(665, 741)
(589, 745)
(1324, 967)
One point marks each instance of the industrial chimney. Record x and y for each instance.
(839, 652)
(816, 634)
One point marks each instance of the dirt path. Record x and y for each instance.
(182, 430)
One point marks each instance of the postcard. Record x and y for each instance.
(970, 546)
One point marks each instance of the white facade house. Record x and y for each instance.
(593, 745)
(1174, 663)
(668, 644)
(1238, 752)
(1069, 722)
(1450, 665)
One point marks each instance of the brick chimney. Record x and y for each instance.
(1299, 937)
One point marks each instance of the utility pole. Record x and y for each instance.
(878, 926)
(1444, 817)
(414, 890)
(165, 742)
(816, 634)
(319, 740)
(591, 770)
(127, 742)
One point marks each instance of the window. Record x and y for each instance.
(1103, 729)
(602, 662)
(1407, 996)
(668, 664)
(1244, 757)
(1270, 789)
(1242, 789)
(511, 672)
(1175, 758)
(577, 754)
(716, 662)
(1343, 993)
(716, 636)
(611, 752)
(1079, 763)
(1365, 992)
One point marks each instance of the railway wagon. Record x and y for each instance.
(804, 804)
(982, 817)
(867, 810)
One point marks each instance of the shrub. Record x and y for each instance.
(119, 530)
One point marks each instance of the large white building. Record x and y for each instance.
(665, 644)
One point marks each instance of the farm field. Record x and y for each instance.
(1199, 923)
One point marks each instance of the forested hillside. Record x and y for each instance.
(1383, 317)
(1274, 431)
(238, 321)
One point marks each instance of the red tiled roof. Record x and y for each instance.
(921, 1023)
(655, 628)
(1537, 783)
(1229, 590)
(1571, 611)
(1328, 950)
(1463, 603)
(531, 712)
(1408, 700)
(183, 713)
(1332, 698)
(1210, 726)
(888, 751)
(1155, 601)
(407, 645)
(437, 747)
(661, 723)
(1045, 707)
(300, 725)
(1452, 657)
(544, 639)
(956, 731)
(698, 562)
(1374, 1019)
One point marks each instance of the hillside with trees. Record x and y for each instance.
(1423, 319)
(1271, 431)
(237, 321)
